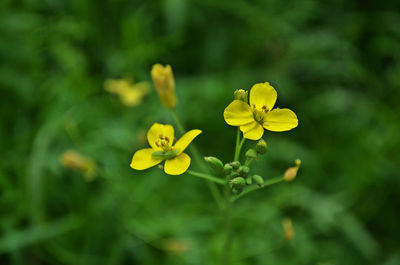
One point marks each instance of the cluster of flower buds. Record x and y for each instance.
(237, 175)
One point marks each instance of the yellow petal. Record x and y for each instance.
(159, 129)
(263, 94)
(238, 113)
(279, 120)
(131, 97)
(186, 139)
(143, 159)
(177, 165)
(252, 131)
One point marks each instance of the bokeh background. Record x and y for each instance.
(335, 63)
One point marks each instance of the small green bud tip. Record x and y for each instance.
(258, 180)
(227, 169)
(249, 181)
(165, 155)
(214, 163)
(235, 164)
(244, 170)
(251, 154)
(241, 94)
(261, 146)
(238, 182)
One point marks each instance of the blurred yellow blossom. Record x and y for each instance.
(288, 229)
(75, 161)
(163, 147)
(259, 115)
(291, 173)
(163, 79)
(131, 94)
(175, 246)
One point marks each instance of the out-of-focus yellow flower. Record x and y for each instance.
(291, 173)
(253, 118)
(75, 161)
(163, 147)
(288, 229)
(164, 82)
(131, 94)
(175, 246)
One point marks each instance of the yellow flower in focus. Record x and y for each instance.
(163, 147)
(259, 115)
(163, 79)
(129, 93)
(75, 161)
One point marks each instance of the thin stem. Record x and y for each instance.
(215, 192)
(178, 122)
(206, 176)
(228, 224)
(239, 144)
(255, 187)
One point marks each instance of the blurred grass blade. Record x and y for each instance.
(22, 238)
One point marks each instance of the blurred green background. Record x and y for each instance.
(335, 63)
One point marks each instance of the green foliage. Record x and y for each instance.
(335, 63)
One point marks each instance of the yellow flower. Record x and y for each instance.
(253, 118)
(129, 93)
(163, 147)
(75, 161)
(163, 79)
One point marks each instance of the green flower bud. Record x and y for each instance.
(241, 94)
(251, 154)
(258, 180)
(261, 146)
(165, 155)
(234, 175)
(249, 181)
(235, 164)
(244, 170)
(214, 163)
(227, 169)
(238, 182)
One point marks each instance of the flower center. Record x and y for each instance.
(259, 114)
(164, 143)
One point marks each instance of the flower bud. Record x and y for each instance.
(291, 173)
(237, 191)
(288, 229)
(251, 154)
(258, 180)
(163, 80)
(241, 94)
(249, 180)
(238, 182)
(77, 162)
(214, 163)
(227, 169)
(244, 170)
(165, 155)
(261, 146)
(235, 164)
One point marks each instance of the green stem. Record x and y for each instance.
(206, 176)
(255, 187)
(239, 144)
(215, 192)
(228, 224)
(178, 122)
